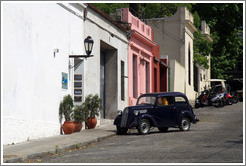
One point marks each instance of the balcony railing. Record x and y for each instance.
(137, 24)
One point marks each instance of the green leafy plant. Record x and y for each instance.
(92, 105)
(80, 114)
(57, 149)
(66, 108)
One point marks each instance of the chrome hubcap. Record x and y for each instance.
(185, 124)
(144, 127)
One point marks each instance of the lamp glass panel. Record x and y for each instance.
(90, 46)
(86, 47)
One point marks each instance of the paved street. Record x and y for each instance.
(217, 138)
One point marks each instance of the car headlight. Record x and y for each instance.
(119, 112)
(135, 113)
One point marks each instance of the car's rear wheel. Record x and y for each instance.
(185, 124)
(144, 127)
(163, 129)
(121, 131)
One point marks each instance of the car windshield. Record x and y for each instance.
(146, 100)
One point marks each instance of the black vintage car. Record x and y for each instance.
(162, 110)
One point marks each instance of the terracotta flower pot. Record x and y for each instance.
(78, 126)
(68, 127)
(91, 123)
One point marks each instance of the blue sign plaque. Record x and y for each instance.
(64, 81)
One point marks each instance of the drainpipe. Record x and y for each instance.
(129, 34)
(84, 9)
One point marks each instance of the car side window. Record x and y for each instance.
(164, 101)
(180, 100)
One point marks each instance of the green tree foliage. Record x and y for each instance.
(225, 22)
(146, 10)
(110, 7)
(159, 10)
(201, 47)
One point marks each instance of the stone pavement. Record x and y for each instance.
(52, 145)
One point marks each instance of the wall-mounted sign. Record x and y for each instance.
(64, 80)
(77, 87)
(77, 84)
(77, 77)
(77, 98)
(78, 91)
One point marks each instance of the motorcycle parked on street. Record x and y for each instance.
(201, 100)
(228, 98)
(214, 96)
(218, 100)
(231, 95)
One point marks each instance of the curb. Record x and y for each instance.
(57, 150)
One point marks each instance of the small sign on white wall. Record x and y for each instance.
(64, 81)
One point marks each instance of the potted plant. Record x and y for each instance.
(66, 110)
(79, 117)
(92, 105)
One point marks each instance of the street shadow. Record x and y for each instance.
(113, 131)
(235, 142)
(156, 131)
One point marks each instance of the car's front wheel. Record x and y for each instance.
(144, 127)
(121, 131)
(185, 124)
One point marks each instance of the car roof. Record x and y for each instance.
(213, 80)
(164, 94)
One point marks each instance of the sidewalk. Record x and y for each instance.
(50, 145)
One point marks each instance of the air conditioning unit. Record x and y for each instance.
(117, 16)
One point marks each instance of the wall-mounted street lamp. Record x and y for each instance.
(88, 43)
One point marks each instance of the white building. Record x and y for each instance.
(175, 37)
(105, 73)
(37, 39)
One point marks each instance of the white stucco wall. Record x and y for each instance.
(31, 74)
(202, 84)
(189, 89)
(178, 79)
(100, 29)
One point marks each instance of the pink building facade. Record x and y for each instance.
(144, 62)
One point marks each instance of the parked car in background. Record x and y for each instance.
(162, 110)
